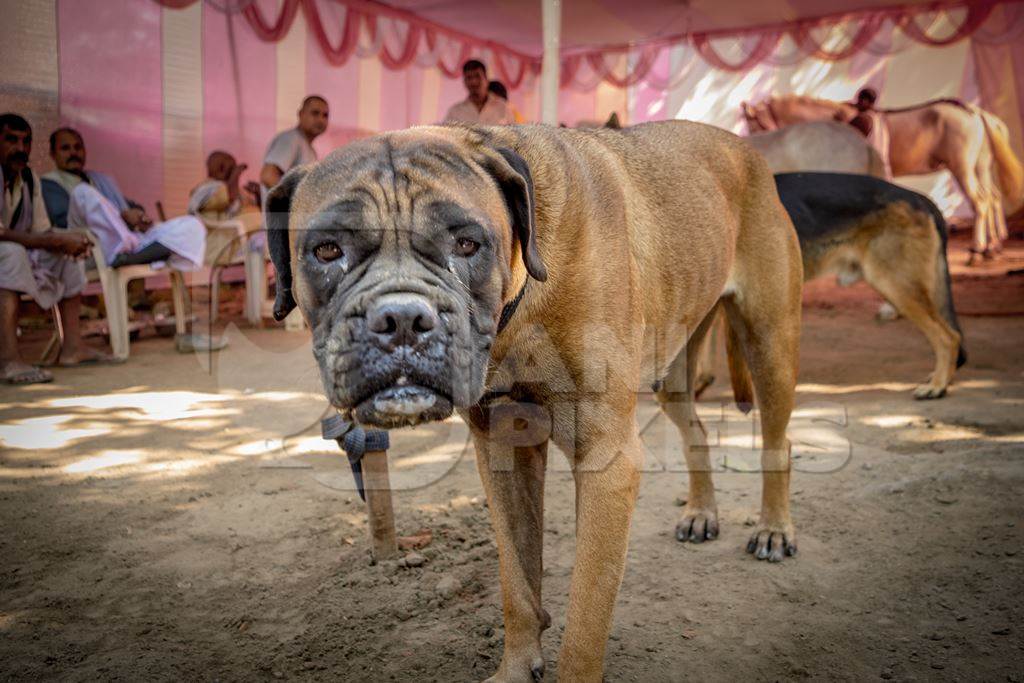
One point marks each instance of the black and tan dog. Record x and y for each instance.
(533, 278)
(861, 227)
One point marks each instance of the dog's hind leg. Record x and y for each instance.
(708, 358)
(699, 521)
(514, 484)
(906, 283)
(767, 321)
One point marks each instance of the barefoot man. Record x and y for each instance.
(34, 259)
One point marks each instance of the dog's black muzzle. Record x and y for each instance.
(396, 369)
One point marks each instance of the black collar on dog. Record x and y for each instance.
(510, 308)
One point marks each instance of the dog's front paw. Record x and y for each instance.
(697, 524)
(772, 542)
(524, 667)
(925, 392)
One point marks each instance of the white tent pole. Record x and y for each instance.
(551, 19)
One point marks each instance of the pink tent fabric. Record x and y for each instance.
(386, 65)
(601, 27)
(113, 95)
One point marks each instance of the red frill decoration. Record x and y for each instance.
(359, 11)
(408, 54)
(976, 16)
(768, 38)
(454, 71)
(644, 62)
(765, 46)
(281, 27)
(802, 36)
(337, 56)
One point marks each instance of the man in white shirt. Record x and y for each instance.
(294, 147)
(288, 149)
(481, 106)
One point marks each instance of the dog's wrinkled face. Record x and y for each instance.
(399, 250)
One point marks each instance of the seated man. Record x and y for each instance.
(34, 259)
(77, 198)
(218, 198)
(83, 199)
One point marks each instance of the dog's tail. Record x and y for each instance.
(942, 291)
(739, 373)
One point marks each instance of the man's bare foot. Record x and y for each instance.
(16, 372)
(81, 355)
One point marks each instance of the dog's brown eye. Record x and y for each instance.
(466, 247)
(327, 252)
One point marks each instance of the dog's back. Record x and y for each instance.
(658, 187)
(821, 204)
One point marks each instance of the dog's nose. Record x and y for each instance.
(401, 319)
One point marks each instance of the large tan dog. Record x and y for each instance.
(533, 278)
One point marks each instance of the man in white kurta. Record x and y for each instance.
(480, 105)
(95, 202)
(34, 259)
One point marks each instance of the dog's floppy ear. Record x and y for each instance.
(278, 212)
(516, 183)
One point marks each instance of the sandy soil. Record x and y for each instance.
(163, 520)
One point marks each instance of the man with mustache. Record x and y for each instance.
(86, 199)
(79, 198)
(34, 259)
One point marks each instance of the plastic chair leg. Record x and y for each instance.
(182, 310)
(116, 293)
(255, 286)
(51, 354)
(215, 292)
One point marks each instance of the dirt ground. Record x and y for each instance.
(167, 520)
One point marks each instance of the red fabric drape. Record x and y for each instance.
(421, 30)
(454, 71)
(505, 76)
(409, 49)
(337, 56)
(976, 16)
(867, 30)
(280, 27)
(637, 73)
(273, 31)
(765, 46)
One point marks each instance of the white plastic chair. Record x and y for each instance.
(255, 263)
(53, 347)
(114, 282)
